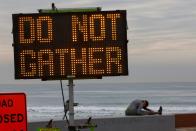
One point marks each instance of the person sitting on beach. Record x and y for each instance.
(139, 107)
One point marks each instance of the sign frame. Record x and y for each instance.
(63, 10)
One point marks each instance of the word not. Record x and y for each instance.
(87, 26)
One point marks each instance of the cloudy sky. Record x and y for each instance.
(162, 37)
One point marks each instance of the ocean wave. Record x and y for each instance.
(48, 112)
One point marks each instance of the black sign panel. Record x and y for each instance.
(80, 44)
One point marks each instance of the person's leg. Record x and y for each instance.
(149, 112)
(159, 112)
(130, 113)
(144, 112)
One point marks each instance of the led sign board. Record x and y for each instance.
(81, 44)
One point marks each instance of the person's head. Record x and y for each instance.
(146, 103)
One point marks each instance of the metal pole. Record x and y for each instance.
(71, 102)
(64, 104)
(62, 94)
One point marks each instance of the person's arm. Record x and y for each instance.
(141, 110)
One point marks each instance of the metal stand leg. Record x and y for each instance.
(71, 102)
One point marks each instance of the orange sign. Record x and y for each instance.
(13, 112)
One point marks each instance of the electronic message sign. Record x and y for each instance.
(13, 116)
(80, 44)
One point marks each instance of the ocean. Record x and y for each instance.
(44, 101)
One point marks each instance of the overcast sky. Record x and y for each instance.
(162, 37)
